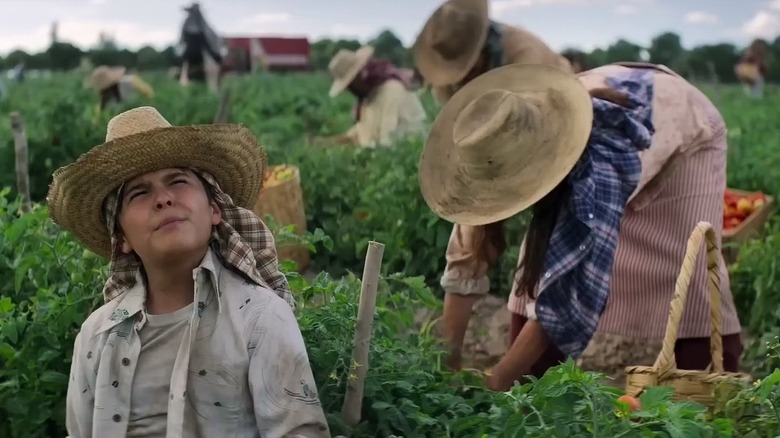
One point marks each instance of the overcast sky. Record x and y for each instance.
(562, 23)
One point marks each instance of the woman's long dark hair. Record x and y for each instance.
(543, 220)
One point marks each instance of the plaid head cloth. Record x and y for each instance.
(242, 241)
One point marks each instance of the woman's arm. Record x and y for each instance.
(527, 348)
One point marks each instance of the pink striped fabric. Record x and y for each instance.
(683, 182)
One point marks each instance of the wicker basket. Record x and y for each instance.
(691, 385)
(284, 202)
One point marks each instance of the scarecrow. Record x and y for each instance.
(116, 86)
(200, 50)
(460, 42)
(387, 107)
(751, 68)
(617, 165)
(197, 336)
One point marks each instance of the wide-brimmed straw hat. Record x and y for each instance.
(140, 141)
(104, 76)
(451, 41)
(503, 142)
(345, 66)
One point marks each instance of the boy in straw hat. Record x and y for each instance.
(387, 107)
(618, 165)
(460, 42)
(197, 336)
(116, 86)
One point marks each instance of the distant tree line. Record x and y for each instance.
(704, 62)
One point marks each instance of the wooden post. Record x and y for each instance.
(353, 399)
(22, 162)
(223, 111)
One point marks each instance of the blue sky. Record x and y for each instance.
(562, 23)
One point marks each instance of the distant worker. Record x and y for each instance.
(116, 86)
(200, 50)
(751, 69)
(460, 42)
(387, 107)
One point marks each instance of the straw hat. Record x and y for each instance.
(104, 76)
(451, 41)
(140, 141)
(503, 142)
(346, 65)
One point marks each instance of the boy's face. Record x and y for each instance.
(166, 214)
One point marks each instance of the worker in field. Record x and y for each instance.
(460, 42)
(115, 86)
(197, 336)
(751, 68)
(617, 165)
(387, 107)
(200, 49)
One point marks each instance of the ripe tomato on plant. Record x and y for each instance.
(630, 401)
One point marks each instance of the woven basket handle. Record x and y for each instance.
(666, 360)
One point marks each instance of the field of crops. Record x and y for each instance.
(353, 196)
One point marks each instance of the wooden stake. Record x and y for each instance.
(22, 161)
(353, 399)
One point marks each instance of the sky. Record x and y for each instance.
(584, 24)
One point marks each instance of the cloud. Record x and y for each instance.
(273, 17)
(775, 4)
(762, 25)
(499, 6)
(701, 17)
(627, 10)
(85, 33)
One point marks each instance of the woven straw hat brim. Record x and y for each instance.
(228, 152)
(455, 197)
(362, 56)
(439, 71)
(111, 76)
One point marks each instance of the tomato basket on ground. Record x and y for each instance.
(744, 216)
(282, 199)
(691, 385)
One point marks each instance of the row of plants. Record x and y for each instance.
(408, 393)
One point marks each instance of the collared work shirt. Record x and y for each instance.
(241, 368)
(390, 113)
(681, 183)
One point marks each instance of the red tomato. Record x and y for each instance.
(630, 401)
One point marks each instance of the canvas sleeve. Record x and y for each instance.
(280, 377)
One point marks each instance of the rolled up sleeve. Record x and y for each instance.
(470, 255)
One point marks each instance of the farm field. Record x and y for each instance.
(353, 196)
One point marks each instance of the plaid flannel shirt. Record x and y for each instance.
(578, 266)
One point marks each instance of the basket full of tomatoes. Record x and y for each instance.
(744, 216)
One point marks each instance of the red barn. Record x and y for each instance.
(248, 53)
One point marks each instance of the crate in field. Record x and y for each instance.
(737, 229)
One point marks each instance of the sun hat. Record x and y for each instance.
(140, 141)
(345, 66)
(503, 142)
(451, 40)
(104, 76)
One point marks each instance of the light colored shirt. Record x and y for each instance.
(391, 113)
(160, 338)
(682, 182)
(240, 369)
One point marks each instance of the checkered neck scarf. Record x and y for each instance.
(241, 241)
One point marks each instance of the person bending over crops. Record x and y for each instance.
(751, 69)
(387, 107)
(116, 86)
(617, 164)
(460, 42)
(197, 336)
